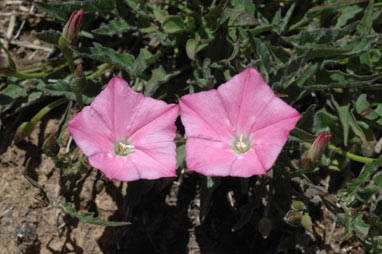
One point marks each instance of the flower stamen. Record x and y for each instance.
(124, 148)
(241, 145)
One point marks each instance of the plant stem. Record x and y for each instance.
(98, 72)
(47, 109)
(69, 58)
(351, 156)
(24, 75)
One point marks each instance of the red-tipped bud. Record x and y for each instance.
(73, 26)
(318, 146)
(316, 149)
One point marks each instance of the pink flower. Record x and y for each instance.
(238, 129)
(126, 135)
(73, 26)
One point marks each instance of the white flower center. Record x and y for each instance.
(123, 148)
(241, 144)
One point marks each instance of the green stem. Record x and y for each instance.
(24, 75)
(69, 58)
(98, 72)
(47, 109)
(79, 100)
(351, 156)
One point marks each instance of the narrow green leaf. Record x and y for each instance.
(343, 113)
(358, 130)
(86, 217)
(365, 176)
(367, 20)
(50, 36)
(63, 124)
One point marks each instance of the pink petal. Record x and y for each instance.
(268, 141)
(276, 111)
(204, 115)
(90, 132)
(247, 165)
(245, 95)
(210, 158)
(116, 167)
(118, 105)
(138, 165)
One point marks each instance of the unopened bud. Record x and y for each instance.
(24, 130)
(317, 148)
(265, 226)
(78, 83)
(7, 66)
(70, 32)
(50, 146)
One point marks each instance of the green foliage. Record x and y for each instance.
(325, 60)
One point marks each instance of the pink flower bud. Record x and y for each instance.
(73, 26)
(318, 146)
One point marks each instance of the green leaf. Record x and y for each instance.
(50, 36)
(238, 18)
(365, 176)
(367, 20)
(300, 135)
(246, 6)
(306, 222)
(62, 11)
(298, 205)
(107, 55)
(358, 130)
(361, 228)
(158, 77)
(63, 124)
(86, 217)
(363, 108)
(343, 113)
(365, 194)
(348, 13)
(319, 10)
(173, 24)
(306, 121)
(324, 121)
(191, 47)
(114, 27)
(144, 60)
(324, 36)
(62, 87)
